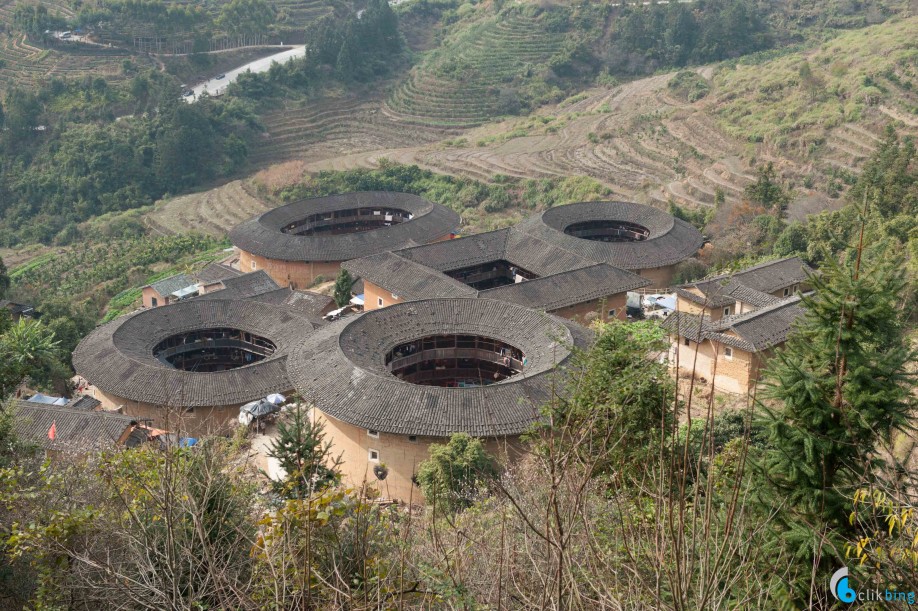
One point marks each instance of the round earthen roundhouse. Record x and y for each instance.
(188, 367)
(634, 237)
(391, 382)
(298, 243)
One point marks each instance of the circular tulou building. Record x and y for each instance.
(634, 237)
(188, 367)
(392, 381)
(297, 243)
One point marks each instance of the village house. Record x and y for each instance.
(18, 310)
(73, 428)
(754, 287)
(725, 328)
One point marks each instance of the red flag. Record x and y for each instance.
(52, 432)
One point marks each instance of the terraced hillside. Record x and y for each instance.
(471, 78)
(332, 127)
(22, 63)
(646, 144)
(211, 212)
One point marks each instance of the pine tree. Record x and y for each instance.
(4, 280)
(305, 456)
(348, 63)
(343, 285)
(839, 386)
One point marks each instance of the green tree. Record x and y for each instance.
(839, 386)
(456, 472)
(619, 394)
(4, 280)
(28, 348)
(792, 241)
(343, 285)
(304, 454)
(767, 191)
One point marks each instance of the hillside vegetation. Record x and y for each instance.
(493, 67)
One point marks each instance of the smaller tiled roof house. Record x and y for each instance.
(18, 310)
(77, 430)
(168, 290)
(506, 265)
(725, 328)
(752, 288)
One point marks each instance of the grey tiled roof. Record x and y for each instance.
(517, 247)
(670, 240)
(770, 276)
(244, 286)
(85, 403)
(684, 324)
(751, 285)
(765, 327)
(406, 278)
(169, 285)
(712, 293)
(17, 308)
(754, 331)
(306, 302)
(215, 272)
(751, 296)
(76, 429)
(117, 357)
(263, 236)
(568, 288)
(341, 369)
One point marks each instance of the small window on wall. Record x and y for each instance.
(253, 264)
(154, 302)
(787, 292)
(726, 311)
(379, 301)
(612, 313)
(413, 438)
(374, 455)
(728, 353)
(687, 341)
(373, 434)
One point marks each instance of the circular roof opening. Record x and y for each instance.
(217, 349)
(344, 226)
(455, 361)
(608, 231)
(348, 220)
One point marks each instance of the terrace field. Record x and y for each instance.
(643, 139)
(475, 74)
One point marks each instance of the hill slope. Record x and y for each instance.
(648, 143)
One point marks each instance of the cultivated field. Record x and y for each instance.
(639, 139)
(211, 212)
(460, 84)
(649, 146)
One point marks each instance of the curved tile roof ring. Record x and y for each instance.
(341, 369)
(117, 357)
(263, 234)
(669, 240)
